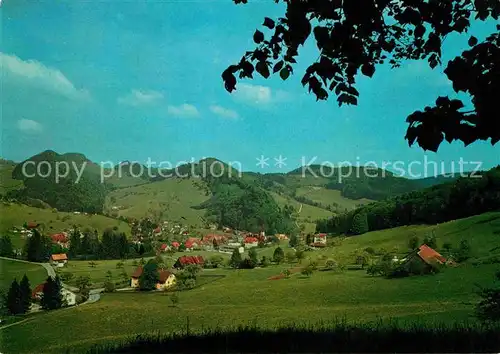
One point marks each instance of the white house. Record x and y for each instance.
(59, 260)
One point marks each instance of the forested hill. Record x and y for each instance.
(74, 189)
(364, 182)
(340, 190)
(461, 198)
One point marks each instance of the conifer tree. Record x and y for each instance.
(25, 294)
(14, 305)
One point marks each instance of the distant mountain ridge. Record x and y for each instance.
(328, 193)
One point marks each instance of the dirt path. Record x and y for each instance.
(16, 323)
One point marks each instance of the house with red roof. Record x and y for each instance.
(320, 238)
(31, 225)
(251, 242)
(167, 279)
(59, 260)
(164, 247)
(187, 260)
(61, 239)
(192, 242)
(429, 257)
(175, 244)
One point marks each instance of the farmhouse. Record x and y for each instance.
(164, 247)
(187, 260)
(167, 279)
(251, 242)
(31, 225)
(59, 260)
(230, 247)
(68, 297)
(319, 241)
(61, 239)
(426, 256)
(192, 242)
(281, 237)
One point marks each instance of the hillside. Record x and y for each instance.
(461, 198)
(171, 199)
(7, 183)
(15, 215)
(115, 191)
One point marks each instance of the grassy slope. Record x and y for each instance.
(308, 214)
(246, 295)
(17, 214)
(173, 197)
(482, 232)
(7, 183)
(13, 269)
(239, 299)
(329, 196)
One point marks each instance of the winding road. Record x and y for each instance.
(94, 294)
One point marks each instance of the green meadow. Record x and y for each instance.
(242, 297)
(10, 270)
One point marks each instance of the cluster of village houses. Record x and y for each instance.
(225, 242)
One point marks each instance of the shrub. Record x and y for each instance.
(307, 271)
(370, 250)
(66, 276)
(109, 286)
(247, 263)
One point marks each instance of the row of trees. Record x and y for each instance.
(252, 261)
(462, 198)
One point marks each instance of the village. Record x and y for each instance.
(190, 254)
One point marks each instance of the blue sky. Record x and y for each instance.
(135, 80)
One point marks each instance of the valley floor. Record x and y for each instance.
(247, 297)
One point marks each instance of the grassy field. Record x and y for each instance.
(17, 214)
(326, 197)
(7, 183)
(98, 273)
(248, 297)
(13, 269)
(482, 232)
(308, 213)
(170, 199)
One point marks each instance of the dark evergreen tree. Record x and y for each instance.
(149, 277)
(14, 302)
(75, 243)
(279, 255)
(359, 224)
(235, 260)
(52, 296)
(25, 293)
(294, 240)
(252, 254)
(37, 247)
(6, 248)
